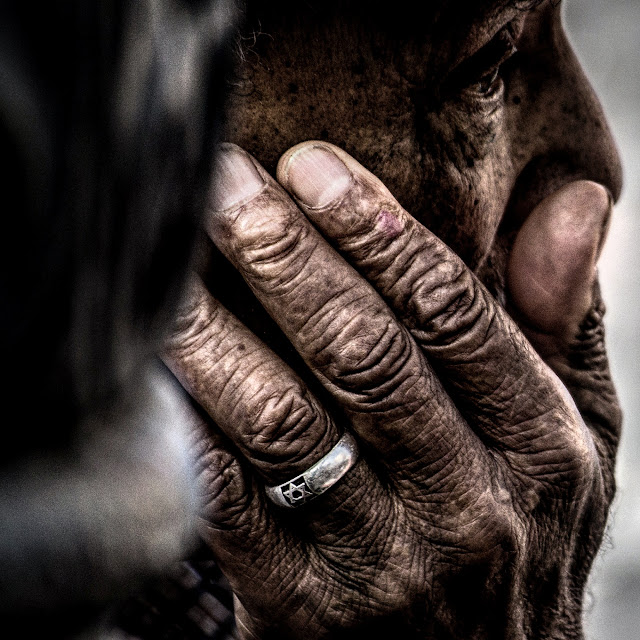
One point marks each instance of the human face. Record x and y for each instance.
(470, 116)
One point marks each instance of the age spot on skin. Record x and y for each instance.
(388, 224)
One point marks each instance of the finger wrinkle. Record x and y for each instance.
(351, 337)
(381, 370)
(324, 317)
(230, 363)
(282, 264)
(366, 242)
(228, 494)
(197, 338)
(283, 417)
(383, 347)
(270, 243)
(414, 388)
(451, 316)
(392, 259)
(430, 287)
(284, 427)
(239, 376)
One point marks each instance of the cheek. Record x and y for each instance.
(468, 180)
(464, 210)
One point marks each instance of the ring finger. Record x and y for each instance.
(276, 423)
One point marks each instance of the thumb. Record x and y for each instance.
(554, 294)
(552, 267)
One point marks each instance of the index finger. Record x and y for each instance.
(499, 382)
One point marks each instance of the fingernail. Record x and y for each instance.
(317, 177)
(236, 179)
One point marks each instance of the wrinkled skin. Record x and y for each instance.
(473, 373)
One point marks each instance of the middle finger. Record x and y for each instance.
(338, 323)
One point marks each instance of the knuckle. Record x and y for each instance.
(483, 528)
(273, 250)
(226, 496)
(370, 227)
(447, 302)
(581, 463)
(192, 323)
(287, 428)
(365, 350)
(562, 464)
(503, 538)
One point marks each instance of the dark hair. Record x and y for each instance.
(108, 116)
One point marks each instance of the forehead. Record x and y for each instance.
(407, 15)
(446, 31)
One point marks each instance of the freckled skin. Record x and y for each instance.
(483, 485)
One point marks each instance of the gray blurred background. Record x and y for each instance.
(606, 37)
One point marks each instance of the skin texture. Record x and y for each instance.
(445, 312)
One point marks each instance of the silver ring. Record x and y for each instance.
(318, 478)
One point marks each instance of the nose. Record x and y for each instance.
(561, 133)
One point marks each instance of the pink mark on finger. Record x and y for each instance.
(389, 224)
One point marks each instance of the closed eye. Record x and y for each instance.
(480, 74)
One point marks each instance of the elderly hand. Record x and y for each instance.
(480, 494)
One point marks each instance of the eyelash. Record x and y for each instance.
(480, 74)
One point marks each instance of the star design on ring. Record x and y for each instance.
(297, 492)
